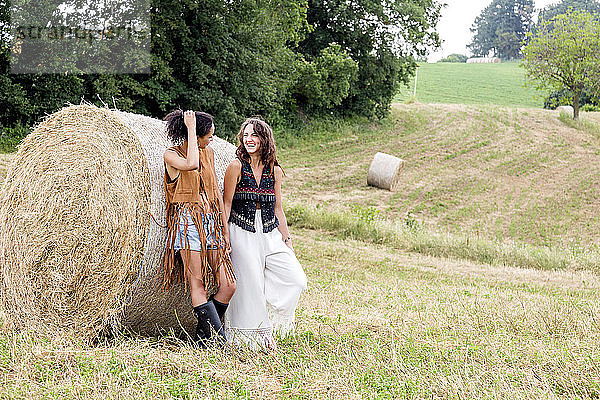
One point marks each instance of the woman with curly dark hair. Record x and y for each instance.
(197, 239)
(270, 278)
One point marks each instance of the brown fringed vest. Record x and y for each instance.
(191, 191)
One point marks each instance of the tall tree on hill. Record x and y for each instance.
(383, 36)
(563, 96)
(563, 54)
(501, 28)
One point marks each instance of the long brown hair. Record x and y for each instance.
(267, 142)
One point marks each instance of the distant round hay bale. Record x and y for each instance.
(82, 225)
(384, 171)
(566, 109)
(483, 60)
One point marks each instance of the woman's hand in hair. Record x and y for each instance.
(189, 119)
(191, 161)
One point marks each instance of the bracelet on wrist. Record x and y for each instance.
(287, 239)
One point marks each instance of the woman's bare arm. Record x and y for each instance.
(174, 160)
(232, 177)
(283, 226)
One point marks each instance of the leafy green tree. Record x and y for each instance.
(232, 58)
(32, 95)
(15, 108)
(382, 36)
(325, 82)
(563, 54)
(501, 28)
(551, 11)
(228, 58)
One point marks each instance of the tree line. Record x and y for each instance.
(559, 53)
(286, 60)
(502, 27)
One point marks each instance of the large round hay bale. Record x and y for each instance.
(82, 225)
(384, 171)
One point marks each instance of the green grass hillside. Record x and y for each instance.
(461, 83)
(504, 174)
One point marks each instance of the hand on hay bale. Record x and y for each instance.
(79, 247)
(384, 171)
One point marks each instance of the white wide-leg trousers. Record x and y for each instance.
(269, 282)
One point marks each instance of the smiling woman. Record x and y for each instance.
(270, 278)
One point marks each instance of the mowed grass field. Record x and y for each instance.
(375, 323)
(504, 174)
(461, 83)
(379, 321)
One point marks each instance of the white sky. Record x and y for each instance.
(457, 18)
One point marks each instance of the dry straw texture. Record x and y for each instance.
(79, 246)
(384, 171)
(5, 160)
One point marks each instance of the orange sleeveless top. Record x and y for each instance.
(194, 192)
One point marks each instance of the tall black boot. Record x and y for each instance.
(221, 308)
(209, 329)
(201, 336)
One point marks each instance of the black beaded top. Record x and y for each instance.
(248, 193)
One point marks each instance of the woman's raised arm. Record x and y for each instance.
(190, 162)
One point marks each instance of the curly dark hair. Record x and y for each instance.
(177, 131)
(267, 142)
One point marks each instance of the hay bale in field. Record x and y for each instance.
(384, 171)
(82, 225)
(483, 60)
(566, 109)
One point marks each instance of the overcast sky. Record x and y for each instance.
(457, 17)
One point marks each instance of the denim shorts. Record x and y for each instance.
(191, 233)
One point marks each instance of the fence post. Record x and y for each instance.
(415, 89)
